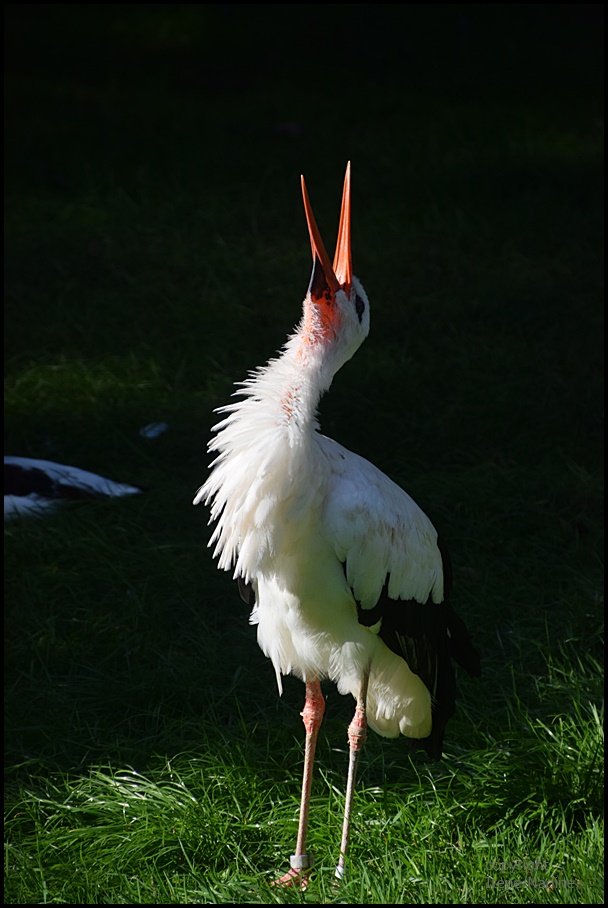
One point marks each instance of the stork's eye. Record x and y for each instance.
(359, 306)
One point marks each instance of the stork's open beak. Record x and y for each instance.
(325, 276)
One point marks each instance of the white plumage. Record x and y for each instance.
(292, 507)
(320, 534)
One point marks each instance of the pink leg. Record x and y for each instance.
(312, 716)
(357, 733)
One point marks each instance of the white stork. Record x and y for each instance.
(350, 580)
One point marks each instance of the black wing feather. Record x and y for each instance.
(245, 590)
(429, 636)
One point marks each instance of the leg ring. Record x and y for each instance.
(301, 861)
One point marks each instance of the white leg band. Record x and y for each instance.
(301, 861)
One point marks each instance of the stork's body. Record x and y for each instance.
(349, 579)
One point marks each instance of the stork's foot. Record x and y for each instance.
(298, 874)
(296, 878)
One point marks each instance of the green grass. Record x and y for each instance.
(156, 250)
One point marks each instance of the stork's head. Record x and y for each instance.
(336, 307)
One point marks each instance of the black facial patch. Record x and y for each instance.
(359, 306)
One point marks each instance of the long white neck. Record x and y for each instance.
(285, 394)
(266, 453)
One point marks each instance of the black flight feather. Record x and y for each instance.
(428, 636)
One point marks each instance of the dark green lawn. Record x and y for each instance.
(156, 250)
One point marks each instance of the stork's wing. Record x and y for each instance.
(400, 574)
(379, 533)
